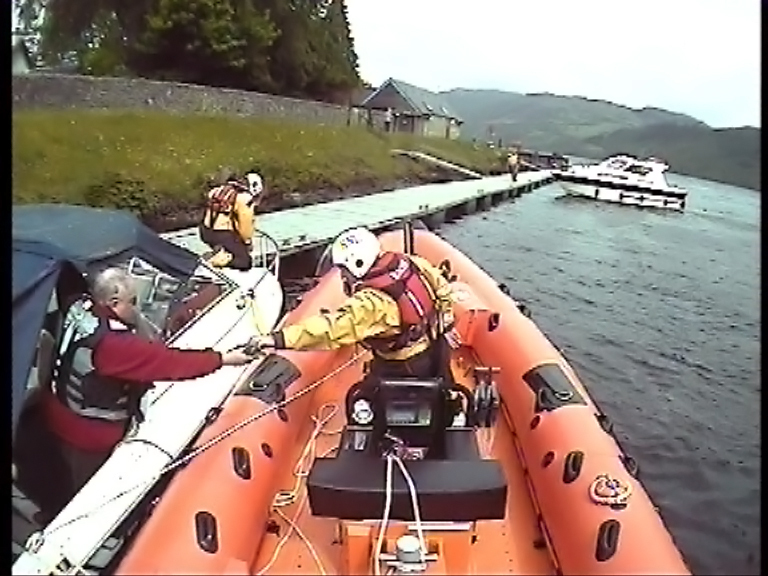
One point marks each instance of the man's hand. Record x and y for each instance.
(236, 357)
(258, 343)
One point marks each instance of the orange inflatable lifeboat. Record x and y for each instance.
(508, 469)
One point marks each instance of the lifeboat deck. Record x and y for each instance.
(299, 543)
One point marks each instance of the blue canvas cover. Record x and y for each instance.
(99, 237)
(47, 239)
(36, 268)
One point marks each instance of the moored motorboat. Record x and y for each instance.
(512, 469)
(624, 179)
(184, 300)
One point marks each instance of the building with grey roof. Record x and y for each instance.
(416, 110)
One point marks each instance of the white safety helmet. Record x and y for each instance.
(255, 183)
(356, 250)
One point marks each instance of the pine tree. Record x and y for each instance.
(298, 48)
(213, 42)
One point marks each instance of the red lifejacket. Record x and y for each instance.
(398, 277)
(221, 201)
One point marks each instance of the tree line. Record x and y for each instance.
(300, 48)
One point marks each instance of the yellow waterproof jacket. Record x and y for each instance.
(240, 215)
(365, 314)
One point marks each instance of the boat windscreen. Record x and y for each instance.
(638, 169)
(616, 164)
(170, 303)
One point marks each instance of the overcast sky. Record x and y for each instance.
(700, 57)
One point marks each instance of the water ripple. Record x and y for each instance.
(660, 316)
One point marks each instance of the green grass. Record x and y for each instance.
(142, 160)
(480, 158)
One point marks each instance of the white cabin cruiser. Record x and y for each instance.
(189, 303)
(624, 179)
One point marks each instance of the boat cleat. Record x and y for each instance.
(408, 557)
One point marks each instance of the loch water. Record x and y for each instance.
(659, 313)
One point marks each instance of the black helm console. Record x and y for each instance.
(407, 418)
(411, 419)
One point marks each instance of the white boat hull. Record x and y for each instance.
(617, 196)
(175, 413)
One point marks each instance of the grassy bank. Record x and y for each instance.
(159, 163)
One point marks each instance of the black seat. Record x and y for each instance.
(452, 480)
(449, 490)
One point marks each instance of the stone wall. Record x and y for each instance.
(68, 91)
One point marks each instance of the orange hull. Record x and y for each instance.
(571, 519)
(551, 458)
(168, 542)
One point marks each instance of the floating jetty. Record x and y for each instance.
(306, 228)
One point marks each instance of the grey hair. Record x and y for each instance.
(112, 283)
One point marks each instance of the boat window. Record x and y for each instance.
(611, 175)
(638, 169)
(169, 304)
(616, 164)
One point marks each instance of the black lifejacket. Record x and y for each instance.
(398, 277)
(77, 385)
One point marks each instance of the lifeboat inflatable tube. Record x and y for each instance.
(213, 514)
(593, 513)
(596, 516)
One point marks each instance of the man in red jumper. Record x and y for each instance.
(104, 365)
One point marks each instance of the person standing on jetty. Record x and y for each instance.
(229, 220)
(388, 120)
(513, 162)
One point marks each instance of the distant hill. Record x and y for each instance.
(596, 129)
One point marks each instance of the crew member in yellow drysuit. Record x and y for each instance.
(229, 220)
(398, 307)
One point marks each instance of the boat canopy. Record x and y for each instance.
(55, 248)
(99, 237)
